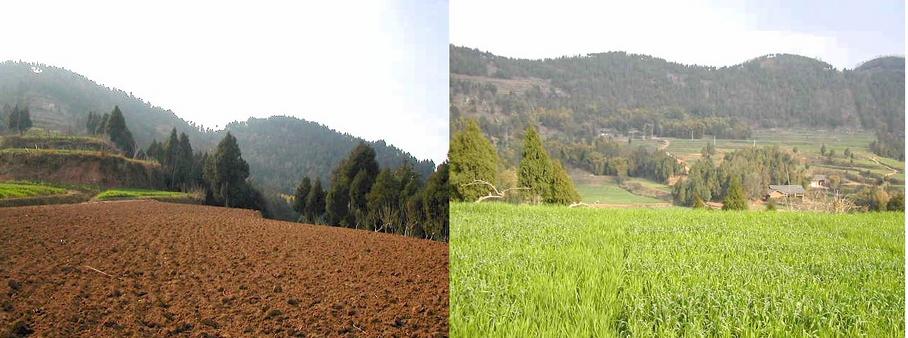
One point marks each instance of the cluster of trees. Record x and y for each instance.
(888, 144)
(113, 126)
(183, 169)
(363, 196)
(753, 170)
(475, 170)
(605, 156)
(222, 176)
(18, 119)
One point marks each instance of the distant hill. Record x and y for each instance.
(779, 90)
(280, 150)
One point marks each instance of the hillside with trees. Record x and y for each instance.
(580, 97)
(280, 150)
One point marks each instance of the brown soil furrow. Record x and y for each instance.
(147, 268)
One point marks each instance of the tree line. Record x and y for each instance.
(477, 172)
(362, 195)
(606, 156)
(746, 172)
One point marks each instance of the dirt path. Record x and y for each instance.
(146, 268)
(893, 171)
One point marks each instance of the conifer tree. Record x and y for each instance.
(226, 172)
(735, 199)
(472, 157)
(19, 120)
(563, 190)
(436, 202)
(535, 170)
(302, 192)
(118, 132)
(383, 202)
(315, 203)
(350, 182)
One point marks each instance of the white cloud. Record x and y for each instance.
(338, 63)
(689, 32)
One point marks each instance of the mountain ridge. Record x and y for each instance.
(60, 99)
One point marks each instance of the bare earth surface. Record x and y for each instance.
(140, 268)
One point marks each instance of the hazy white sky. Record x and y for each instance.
(704, 32)
(374, 69)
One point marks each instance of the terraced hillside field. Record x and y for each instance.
(147, 268)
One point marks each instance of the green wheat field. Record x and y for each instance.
(526, 271)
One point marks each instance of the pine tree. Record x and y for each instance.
(315, 203)
(302, 192)
(472, 157)
(735, 199)
(91, 123)
(171, 156)
(359, 189)
(436, 202)
(535, 170)
(184, 161)
(346, 201)
(563, 190)
(118, 132)
(226, 172)
(19, 120)
(383, 202)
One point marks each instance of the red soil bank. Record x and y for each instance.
(140, 268)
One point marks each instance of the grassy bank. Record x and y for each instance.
(21, 189)
(129, 193)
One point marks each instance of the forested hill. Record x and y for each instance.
(61, 99)
(280, 150)
(770, 91)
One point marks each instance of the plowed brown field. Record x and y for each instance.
(140, 268)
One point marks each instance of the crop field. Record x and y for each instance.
(130, 193)
(604, 190)
(555, 271)
(153, 269)
(19, 189)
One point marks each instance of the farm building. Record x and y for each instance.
(819, 182)
(785, 190)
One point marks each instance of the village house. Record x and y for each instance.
(784, 190)
(819, 182)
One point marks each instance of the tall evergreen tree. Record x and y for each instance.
(19, 120)
(315, 203)
(383, 202)
(472, 157)
(735, 199)
(436, 202)
(226, 172)
(535, 171)
(350, 182)
(118, 132)
(302, 192)
(563, 190)
(184, 161)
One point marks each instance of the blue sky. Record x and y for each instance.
(705, 32)
(374, 69)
